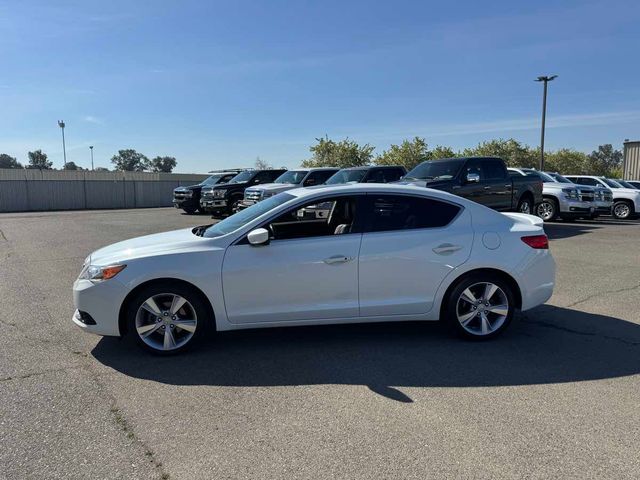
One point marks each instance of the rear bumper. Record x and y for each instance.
(536, 287)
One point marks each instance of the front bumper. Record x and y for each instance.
(603, 208)
(185, 203)
(212, 204)
(576, 207)
(101, 301)
(246, 204)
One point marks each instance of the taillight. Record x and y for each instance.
(540, 242)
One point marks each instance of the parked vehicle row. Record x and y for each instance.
(385, 252)
(626, 201)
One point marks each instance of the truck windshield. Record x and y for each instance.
(541, 175)
(292, 176)
(559, 178)
(611, 183)
(346, 176)
(625, 184)
(243, 177)
(439, 170)
(241, 218)
(212, 180)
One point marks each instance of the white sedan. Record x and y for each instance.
(384, 253)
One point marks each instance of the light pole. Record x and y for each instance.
(91, 148)
(545, 79)
(64, 148)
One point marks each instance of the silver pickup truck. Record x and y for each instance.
(562, 199)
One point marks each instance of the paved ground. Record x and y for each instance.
(557, 396)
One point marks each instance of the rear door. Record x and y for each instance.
(497, 185)
(409, 245)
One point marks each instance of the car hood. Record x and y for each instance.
(222, 186)
(148, 245)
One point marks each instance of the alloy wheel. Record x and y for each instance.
(482, 308)
(546, 210)
(621, 210)
(166, 321)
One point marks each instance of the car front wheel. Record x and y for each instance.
(547, 210)
(480, 306)
(525, 206)
(166, 319)
(622, 210)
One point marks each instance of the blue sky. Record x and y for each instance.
(216, 84)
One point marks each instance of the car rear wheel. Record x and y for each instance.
(547, 210)
(622, 210)
(525, 205)
(167, 319)
(480, 306)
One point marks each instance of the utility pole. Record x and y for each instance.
(545, 79)
(64, 148)
(91, 148)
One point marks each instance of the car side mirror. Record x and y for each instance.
(473, 178)
(259, 236)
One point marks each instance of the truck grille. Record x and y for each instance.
(252, 195)
(586, 195)
(179, 195)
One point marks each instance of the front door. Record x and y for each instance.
(308, 271)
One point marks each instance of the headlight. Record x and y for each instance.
(98, 274)
(571, 193)
(598, 195)
(218, 193)
(267, 194)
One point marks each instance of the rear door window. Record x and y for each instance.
(404, 212)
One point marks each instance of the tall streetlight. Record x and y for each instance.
(545, 79)
(91, 148)
(64, 148)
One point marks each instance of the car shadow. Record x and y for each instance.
(545, 345)
(560, 230)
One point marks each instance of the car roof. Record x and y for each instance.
(380, 188)
(314, 169)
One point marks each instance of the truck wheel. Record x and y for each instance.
(547, 210)
(233, 208)
(622, 209)
(190, 210)
(525, 205)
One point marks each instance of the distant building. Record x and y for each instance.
(631, 162)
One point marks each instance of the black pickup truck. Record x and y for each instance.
(188, 198)
(482, 179)
(225, 198)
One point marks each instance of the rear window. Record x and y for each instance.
(399, 212)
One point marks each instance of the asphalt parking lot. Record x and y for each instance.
(556, 396)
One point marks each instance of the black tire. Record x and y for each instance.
(195, 304)
(233, 206)
(547, 210)
(525, 205)
(622, 210)
(454, 306)
(189, 210)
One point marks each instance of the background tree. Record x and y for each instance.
(605, 161)
(129, 161)
(411, 153)
(161, 164)
(408, 154)
(566, 161)
(514, 153)
(345, 153)
(7, 161)
(262, 164)
(72, 166)
(38, 159)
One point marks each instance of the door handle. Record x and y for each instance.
(337, 259)
(508, 186)
(446, 249)
(487, 187)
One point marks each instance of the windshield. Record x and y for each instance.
(541, 175)
(346, 176)
(292, 176)
(611, 183)
(559, 178)
(241, 218)
(243, 177)
(435, 170)
(212, 180)
(625, 184)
